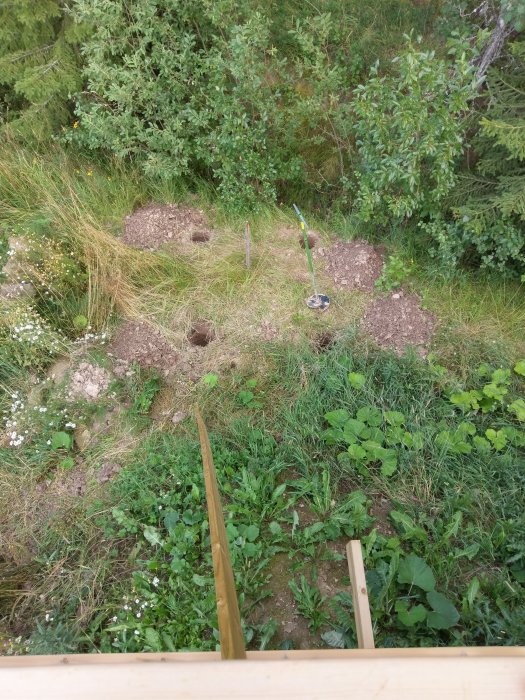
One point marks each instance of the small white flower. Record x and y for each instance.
(137, 632)
(114, 618)
(139, 614)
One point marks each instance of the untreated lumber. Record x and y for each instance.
(363, 620)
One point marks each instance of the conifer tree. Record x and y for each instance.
(39, 65)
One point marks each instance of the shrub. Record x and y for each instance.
(410, 133)
(222, 91)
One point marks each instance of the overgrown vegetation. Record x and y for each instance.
(375, 117)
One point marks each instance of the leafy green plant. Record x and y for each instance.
(309, 602)
(372, 436)
(409, 131)
(210, 380)
(395, 272)
(415, 572)
(247, 397)
(356, 380)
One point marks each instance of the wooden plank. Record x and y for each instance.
(476, 678)
(176, 657)
(229, 619)
(363, 620)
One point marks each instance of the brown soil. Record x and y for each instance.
(107, 471)
(139, 342)
(312, 238)
(324, 341)
(282, 606)
(353, 265)
(201, 334)
(380, 511)
(156, 225)
(397, 321)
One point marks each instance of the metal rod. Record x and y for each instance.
(305, 229)
(247, 236)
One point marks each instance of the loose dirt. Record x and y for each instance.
(88, 382)
(157, 225)
(353, 265)
(398, 321)
(139, 342)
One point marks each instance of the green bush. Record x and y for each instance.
(192, 94)
(410, 132)
(224, 91)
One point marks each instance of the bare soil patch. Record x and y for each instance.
(157, 225)
(353, 264)
(398, 321)
(380, 511)
(139, 342)
(88, 382)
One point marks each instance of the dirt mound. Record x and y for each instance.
(155, 225)
(397, 321)
(88, 382)
(138, 342)
(353, 264)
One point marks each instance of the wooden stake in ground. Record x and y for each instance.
(363, 620)
(248, 242)
(230, 631)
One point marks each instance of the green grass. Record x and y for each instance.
(291, 502)
(288, 494)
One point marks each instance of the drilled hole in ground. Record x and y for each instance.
(324, 341)
(201, 334)
(200, 236)
(313, 239)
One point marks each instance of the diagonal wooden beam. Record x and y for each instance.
(230, 631)
(363, 620)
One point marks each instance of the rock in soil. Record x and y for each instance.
(88, 382)
(12, 290)
(397, 321)
(136, 341)
(353, 264)
(178, 417)
(155, 225)
(107, 471)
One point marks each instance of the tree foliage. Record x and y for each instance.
(223, 90)
(39, 66)
(410, 133)
(489, 219)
